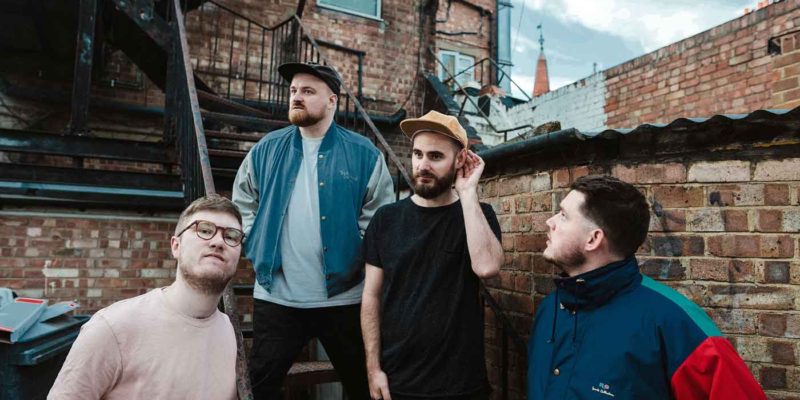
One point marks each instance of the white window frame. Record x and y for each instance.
(458, 57)
(321, 3)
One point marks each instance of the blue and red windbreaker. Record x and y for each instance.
(614, 333)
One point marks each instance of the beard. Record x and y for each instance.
(302, 118)
(437, 187)
(206, 283)
(570, 259)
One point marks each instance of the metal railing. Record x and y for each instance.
(487, 72)
(505, 331)
(185, 128)
(239, 59)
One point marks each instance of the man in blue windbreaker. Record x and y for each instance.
(306, 193)
(607, 331)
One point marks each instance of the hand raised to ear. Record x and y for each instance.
(468, 176)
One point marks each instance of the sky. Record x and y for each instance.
(578, 33)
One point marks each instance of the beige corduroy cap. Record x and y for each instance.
(435, 122)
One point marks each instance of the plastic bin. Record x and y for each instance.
(29, 367)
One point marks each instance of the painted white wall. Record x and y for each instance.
(580, 105)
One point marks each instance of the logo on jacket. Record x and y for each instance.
(603, 388)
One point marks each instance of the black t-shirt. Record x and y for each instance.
(432, 319)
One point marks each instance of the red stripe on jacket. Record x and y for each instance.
(715, 371)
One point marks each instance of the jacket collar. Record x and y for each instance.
(594, 288)
(327, 140)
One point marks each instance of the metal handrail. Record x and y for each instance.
(461, 88)
(252, 76)
(186, 126)
(497, 66)
(507, 331)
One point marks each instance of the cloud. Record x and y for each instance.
(527, 46)
(648, 23)
(527, 81)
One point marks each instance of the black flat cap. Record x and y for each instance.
(324, 72)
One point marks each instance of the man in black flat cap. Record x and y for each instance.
(307, 193)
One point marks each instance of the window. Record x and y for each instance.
(460, 65)
(364, 8)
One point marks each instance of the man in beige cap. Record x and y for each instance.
(421, 317)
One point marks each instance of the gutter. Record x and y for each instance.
(536, 143)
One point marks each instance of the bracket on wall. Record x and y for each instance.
(774, 47)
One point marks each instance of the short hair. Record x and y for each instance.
(211, 202)
(618, 208)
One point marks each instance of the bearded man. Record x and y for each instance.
(306, 193)
(172, 342)
(421, 314)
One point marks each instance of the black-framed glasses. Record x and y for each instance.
(206, 230)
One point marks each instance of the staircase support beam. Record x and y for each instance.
(82, 77)
(141, 12)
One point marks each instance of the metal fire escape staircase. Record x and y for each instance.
(216, 107)
(209, 127)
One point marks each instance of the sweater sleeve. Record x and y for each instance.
(93, 365)
(380, 191)
(715, 371)
(245, 193)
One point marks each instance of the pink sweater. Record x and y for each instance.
(140, 348)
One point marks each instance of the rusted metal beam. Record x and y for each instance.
(89, 147)
(142, 13)
(82, 77)
(195, 126)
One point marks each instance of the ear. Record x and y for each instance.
(175, 245)
(595, 239)
(332, 99)
(461, 158)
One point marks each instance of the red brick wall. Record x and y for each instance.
(724, 232)
(786, 73)
(95, 259)
(391, 45)
(725, 70)
(475, 29)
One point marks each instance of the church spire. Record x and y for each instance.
(542, 83)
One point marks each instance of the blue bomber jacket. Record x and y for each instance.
(353, 183)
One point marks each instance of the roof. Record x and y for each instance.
(786, 119)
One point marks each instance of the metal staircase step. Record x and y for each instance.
(216, 103)
(27, 193)
(306, 373)
(89, 177)
(240, 154)
(83, 146)
(242, 137)
(253, 123)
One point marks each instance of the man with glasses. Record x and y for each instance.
(306, 193)
(172, 342)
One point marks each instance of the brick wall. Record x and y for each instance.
(93, 258)
(786, 73)
(724, 232)
(391, 45)
(579, 105)
(725, 70)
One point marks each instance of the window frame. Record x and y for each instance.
(321, 4)
(457, 56)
